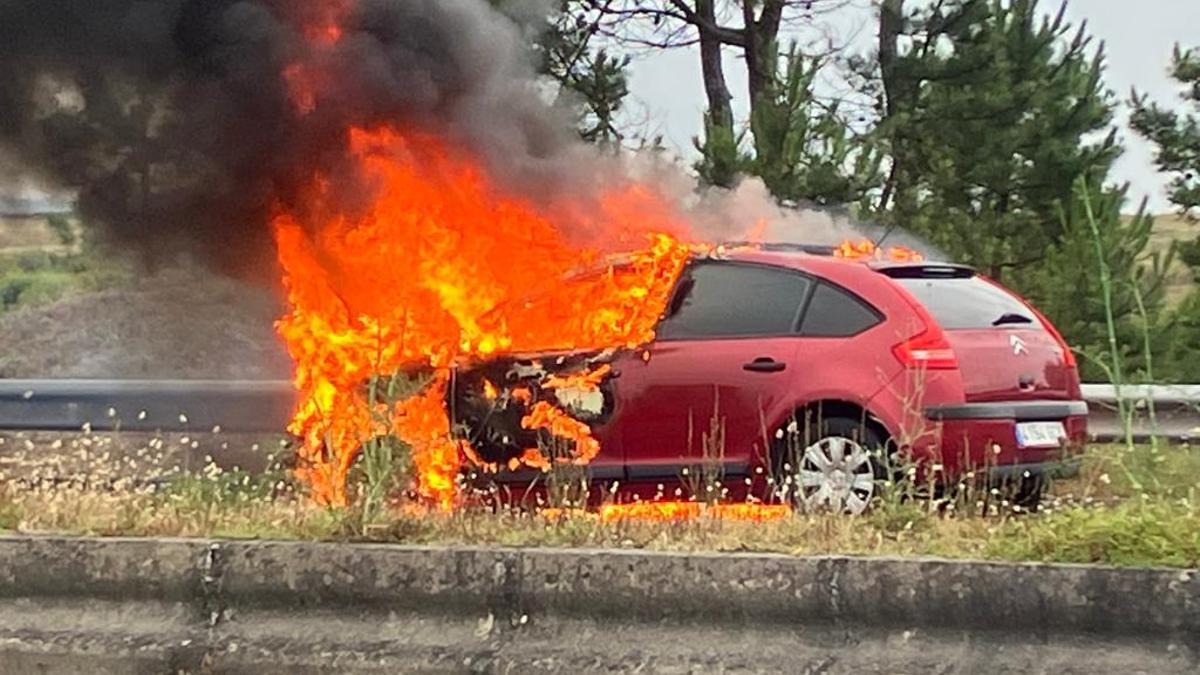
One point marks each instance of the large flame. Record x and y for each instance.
(440, 265)
(429, 261)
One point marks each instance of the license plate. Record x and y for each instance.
(1040, 434)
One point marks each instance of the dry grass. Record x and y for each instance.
(1126, 508)
(1169, 228)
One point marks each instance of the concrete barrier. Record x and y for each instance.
(145, 605)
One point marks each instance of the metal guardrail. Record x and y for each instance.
(1170, 411)
(145, 405)
(266, 406)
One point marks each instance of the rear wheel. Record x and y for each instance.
(834, 465)
(1028, 491)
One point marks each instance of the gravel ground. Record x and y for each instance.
(176, 324)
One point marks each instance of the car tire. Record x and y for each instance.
(833, 464)
(1027, 493)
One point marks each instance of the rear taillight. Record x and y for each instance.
(928, 350)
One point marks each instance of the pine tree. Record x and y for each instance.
(1069, 285)
(799, 146)
(992, 105)
(589, 80)
(1176, 135)
(590, 77)
(803, 150)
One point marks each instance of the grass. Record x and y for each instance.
(38, 278)
(1126, 508)
(1170, 228)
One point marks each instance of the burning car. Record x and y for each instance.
(802, 374)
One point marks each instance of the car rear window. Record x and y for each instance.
(971, 302)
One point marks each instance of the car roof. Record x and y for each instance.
(792, 259)
(820, 259)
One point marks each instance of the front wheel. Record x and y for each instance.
(835, 467)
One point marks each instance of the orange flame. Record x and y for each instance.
(323, 30)
(439, 266)
(561, 425)
(674, 511)
(588, 380)
(861, 249)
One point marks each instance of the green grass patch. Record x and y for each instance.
(38, 278)
(1117, 472)
(1149, 532)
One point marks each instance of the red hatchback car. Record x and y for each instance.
(813, 372)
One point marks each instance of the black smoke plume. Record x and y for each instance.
(175, 123)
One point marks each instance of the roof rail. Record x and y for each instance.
(923, 270)
(811, 249)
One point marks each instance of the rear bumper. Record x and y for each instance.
(1021, 411)
(981, 438)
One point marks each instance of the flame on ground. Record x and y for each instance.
(671, 511)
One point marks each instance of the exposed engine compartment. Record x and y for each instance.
(489, 401)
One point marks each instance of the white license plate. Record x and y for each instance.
(1040, 434)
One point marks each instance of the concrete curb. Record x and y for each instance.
(214, 585)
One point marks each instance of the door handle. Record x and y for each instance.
(764, 364)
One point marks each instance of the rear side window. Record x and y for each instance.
(715, 300)
(833, 312)
(960, 303)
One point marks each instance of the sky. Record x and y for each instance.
(667, 96)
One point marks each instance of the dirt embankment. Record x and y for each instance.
(177, 324)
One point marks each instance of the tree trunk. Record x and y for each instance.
(762, 47)
(715, 88)
(891, 18)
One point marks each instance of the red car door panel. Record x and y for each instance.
(722, 366)
(706, 397)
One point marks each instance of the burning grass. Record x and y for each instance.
(1125, 508)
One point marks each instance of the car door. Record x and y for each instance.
(721, 364)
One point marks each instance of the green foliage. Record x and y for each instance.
(1177, 135)
(384, 464)
(220, 487)
(1179, 342)
(722, 159)
(994, 115)
(10, 515)
(62, 227)
(597, 81)
(803, 150)
(40, 278)
(1138, 532)
(1069, 284)
(591, 82)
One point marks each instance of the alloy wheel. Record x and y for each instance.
(838, 474)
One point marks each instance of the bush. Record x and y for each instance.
(41, 278)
